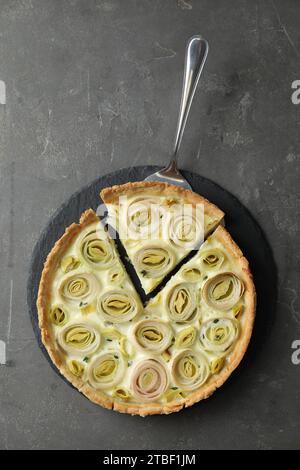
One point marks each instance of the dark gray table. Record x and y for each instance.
(93, 86)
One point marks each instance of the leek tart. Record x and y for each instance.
(144, 359)
(158, 224)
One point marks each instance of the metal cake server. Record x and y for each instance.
(195, 57)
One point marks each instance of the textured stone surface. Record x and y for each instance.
(94, 86)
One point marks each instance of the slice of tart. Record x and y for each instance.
(210, 303)
(158, 224)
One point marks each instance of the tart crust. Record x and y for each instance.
(98, 397)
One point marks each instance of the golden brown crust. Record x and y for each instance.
(111, 195)
(97, 396)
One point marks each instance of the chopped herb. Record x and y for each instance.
(129, 363)
(86, 359)
(108, 339)
(143, 272)
(174, 388)
(216, 320)
(116, 357)
(205, 277)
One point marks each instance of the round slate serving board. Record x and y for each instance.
(239, 222)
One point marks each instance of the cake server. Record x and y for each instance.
(195, 57)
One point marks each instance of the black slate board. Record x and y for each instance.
(243, 228)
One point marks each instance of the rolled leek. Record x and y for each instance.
(152, 335)
(96, 249)
(190, 369)
(217, 365)
(174, 394)
(121, 392)
(106, 370)
(223, 291)
(126, 348)
(182, 303)
(58, 315)
(118, 306)
(79, 288)
(217, 335)
(79, 339)
(238, 310)
(212, 259)
(76, 368)
(149, 380)
(143, 218)
(185, 228)
(68, 263)
(116, 275)
(186, 337)
(153, 261)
